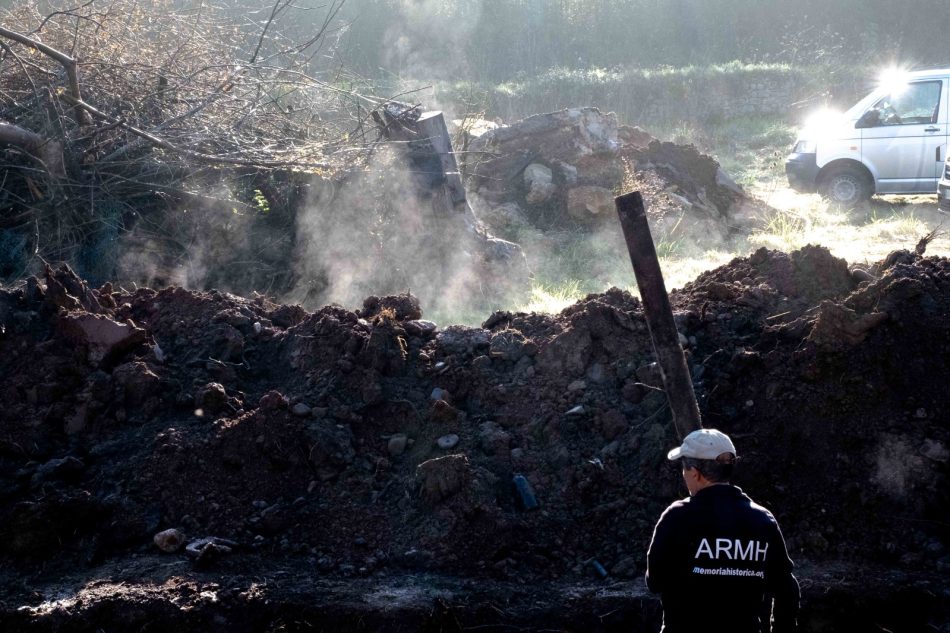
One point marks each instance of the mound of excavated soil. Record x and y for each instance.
(356, 465)
(563, 169)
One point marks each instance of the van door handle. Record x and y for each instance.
(931, 129)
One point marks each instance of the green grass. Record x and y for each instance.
(552, 298)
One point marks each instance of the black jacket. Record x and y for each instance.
(714, 559)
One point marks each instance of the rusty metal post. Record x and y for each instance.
(659, 314)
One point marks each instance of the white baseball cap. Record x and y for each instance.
(703, 444)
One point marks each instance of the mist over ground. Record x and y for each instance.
(338, 219)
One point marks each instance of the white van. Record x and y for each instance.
(943, 188)
(894, 140)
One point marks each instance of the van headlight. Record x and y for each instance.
(805, 147)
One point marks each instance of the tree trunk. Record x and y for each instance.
(47, 151)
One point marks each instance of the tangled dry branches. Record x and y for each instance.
(147, 102)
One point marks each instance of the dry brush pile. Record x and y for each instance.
(112, 111)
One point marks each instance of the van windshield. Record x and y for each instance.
(913, 104)
(854, 112)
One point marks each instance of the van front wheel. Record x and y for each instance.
(847, 187)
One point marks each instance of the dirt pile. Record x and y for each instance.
(566, 167)
(372, 444)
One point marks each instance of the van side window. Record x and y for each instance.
(914, 104)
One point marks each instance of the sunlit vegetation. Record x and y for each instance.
(494, 40)
(755, 148)
(861, 235)
(664, 97)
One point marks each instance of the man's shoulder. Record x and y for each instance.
(761, 509)
(757, 507)
(677, 508)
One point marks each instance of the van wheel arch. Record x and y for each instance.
(845, 182)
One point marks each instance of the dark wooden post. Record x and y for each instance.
(426, 144)
(431, 126)
(428, 148)
(659, 314)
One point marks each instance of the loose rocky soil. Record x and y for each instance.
(358, 468)
(565, 168)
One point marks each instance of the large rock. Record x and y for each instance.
(212, 398)
(539, 181)
(169, 541)
(102, 337)
(443, 477)
(137, 382)
(586, 203)
(459, 339)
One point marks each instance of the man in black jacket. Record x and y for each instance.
(716, 556)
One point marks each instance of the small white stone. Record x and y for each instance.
(397, 444)
(448, 441)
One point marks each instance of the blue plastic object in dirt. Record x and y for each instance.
(525, 492)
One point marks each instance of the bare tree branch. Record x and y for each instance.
(273, 14)
(208, 158)
(68, 63)
(169, 108)
(220, 90)
(48, 152)
(70, 12)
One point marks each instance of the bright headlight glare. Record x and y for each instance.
(805, 147)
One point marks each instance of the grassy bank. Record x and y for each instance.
(657, 97)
